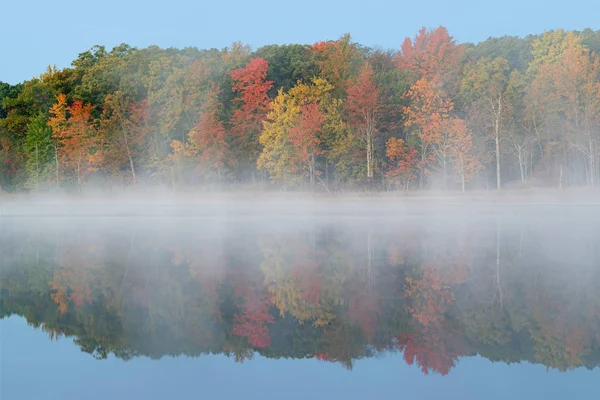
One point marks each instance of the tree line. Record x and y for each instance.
(333, 115)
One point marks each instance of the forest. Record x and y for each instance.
(503, 289)
(508, 112)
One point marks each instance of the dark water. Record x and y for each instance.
(458, 304)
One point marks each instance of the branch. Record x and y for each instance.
(323, 183)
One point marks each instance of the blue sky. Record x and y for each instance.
(36, 33)
(33, 367)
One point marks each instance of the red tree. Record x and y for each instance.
(304, 137)
(433, 55)
(250, 82)
(208, 137)
(402, 162)
(364, 111)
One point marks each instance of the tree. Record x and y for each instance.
(58, 123)
(571, 88)
(403, 161)
(433, 55)
(486, 84)
(338, 61)
(364, 110)
(124, 126)
(207, 140)
(39, 149)
(461, 145)
(296, 130)
(251, 84)
(428, 114)
(75, 135)
(304, 137)
(288, 64)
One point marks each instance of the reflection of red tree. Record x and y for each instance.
(306, 272)
(428, 350)
(255, 316)
(363, 308)
(430, 294)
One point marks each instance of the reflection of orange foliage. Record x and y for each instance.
(69, 286)
(430, 296)
(565, 339)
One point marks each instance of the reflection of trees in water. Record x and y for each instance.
(334, 291)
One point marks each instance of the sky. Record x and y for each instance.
(33, 367)
(38, 33)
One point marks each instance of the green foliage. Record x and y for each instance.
(39, 150)
(288, 64)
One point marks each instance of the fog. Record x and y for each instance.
(337, 278)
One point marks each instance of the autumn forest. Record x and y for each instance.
(508, 112)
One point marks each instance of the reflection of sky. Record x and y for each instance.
(33, 367)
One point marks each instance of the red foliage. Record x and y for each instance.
(431, 55)
(363, 105)
(402, 162)
(304, 137)
(430, 296)
(307, 272)
(364, 109)
(251, 83)
(428, 351)
(255, 316)
(209, 136)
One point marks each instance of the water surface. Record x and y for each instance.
(338, 302)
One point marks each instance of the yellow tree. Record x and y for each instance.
(460, 148)
(572, 92)
(295, 129)
(58, 123)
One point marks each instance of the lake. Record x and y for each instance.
(349, 300)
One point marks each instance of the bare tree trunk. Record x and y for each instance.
(422, 169)
(497, 140)
(498, 282)
(445, 174)
(462, 173)
(521, 166)
(37, 169)
(57, 164)
(560, 178)
(498, 183)
(130, 158)
(592, 161)
(79, 174)
(369, 156)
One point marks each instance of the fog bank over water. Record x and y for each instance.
(213, 204)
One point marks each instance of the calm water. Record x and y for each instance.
(461, 304)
